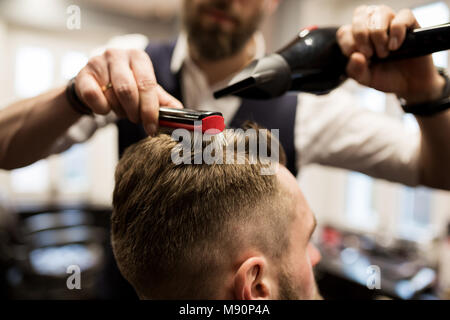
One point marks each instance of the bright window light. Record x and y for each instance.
(74, 176)
(33, 75)
(415, 214)
(415, 207)
(31, 179)
(360, 211)
(34, 71)
(72, 62)
(430, 15)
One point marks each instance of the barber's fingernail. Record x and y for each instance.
(393, 44)
(151, 129)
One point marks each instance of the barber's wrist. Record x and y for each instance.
(74, 100)
(435, 90)
(435, 102)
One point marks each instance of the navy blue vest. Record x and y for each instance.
(278, 113)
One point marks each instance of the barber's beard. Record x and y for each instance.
(212, 42)
(288, 292)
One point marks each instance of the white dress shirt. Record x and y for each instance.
(329, 130)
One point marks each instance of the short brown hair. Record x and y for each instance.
(175, 226)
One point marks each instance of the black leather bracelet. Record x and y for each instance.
(74, 101)
(432, 108)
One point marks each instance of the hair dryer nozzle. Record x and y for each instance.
(265, 78)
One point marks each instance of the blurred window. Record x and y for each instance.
(74, 175)
(430, 15)
(31, 179)
(416, 203)
(33, 70)
(360, 209)
(33, 75)
(71, 63)
(415, 220)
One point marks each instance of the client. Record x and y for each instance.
(211, 231)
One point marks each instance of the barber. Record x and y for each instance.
(122, 83)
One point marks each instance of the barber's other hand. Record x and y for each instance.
(377, 30)
(135, 93)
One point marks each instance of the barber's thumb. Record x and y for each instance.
(358, 68)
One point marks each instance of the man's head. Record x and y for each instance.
(220, 28)
(220, 231)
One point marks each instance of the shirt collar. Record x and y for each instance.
(181, 52)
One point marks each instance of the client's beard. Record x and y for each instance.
(213, 43)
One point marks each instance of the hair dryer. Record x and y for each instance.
(313, 62)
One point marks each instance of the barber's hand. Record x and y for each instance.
(377, 30)
(134, 94)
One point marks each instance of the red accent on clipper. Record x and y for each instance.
(310, 28)
(213, 124)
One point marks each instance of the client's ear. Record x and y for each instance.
(252, 282)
